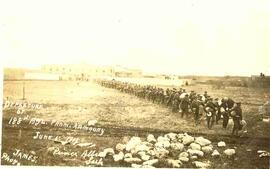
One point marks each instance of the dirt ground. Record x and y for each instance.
(70, 101)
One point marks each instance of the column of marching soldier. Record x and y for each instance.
(186, 103)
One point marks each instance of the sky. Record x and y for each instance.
(184, 37)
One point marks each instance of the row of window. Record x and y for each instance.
(70, 70)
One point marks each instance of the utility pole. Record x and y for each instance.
(23, 90)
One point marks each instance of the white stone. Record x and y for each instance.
(128, 155)
(194, 157)
(150, 162)
(161, 139)
(202, 141)
(195, 146)
(132, 143)
(120, 147)
(229, 152)
(174, 163)
(195, 152)
(180, 136)
(215, 153)
(184, 159)
(177, 146)
(201, 164)
(151, 138)
(221, 144)
(145, 157)
(171, 136)
(207, 149)
(136, 166)
(141, 147)
(147, 166)
(132, 160)
(183, 154)
(118, 157)
(163, 144)
(187, 139)
(91, 122)
(161, 152)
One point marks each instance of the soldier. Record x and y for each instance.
(195, 107)
(236, 114)
(184, 105)
(176, 100)
(210, 109)
(226, 105)
(218, 114)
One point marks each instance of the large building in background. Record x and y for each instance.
(70, 72)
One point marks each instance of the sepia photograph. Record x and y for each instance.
(135, 84)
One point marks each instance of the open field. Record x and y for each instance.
(70, 102)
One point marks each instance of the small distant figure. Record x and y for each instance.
(186, 83)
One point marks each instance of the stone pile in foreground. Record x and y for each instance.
(171, 150)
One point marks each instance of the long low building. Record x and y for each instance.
(69, 72)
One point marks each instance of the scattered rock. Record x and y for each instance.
(187, 139)
(261, 151)
(150, 162)
(183, 154)
(195, 152)
(194, 157)
(221, 144)
(207, 149)
(215, 153)
(184, 159)
(132, 143)
(171, 136)
(141, 147)
(161, 152)
(151, 138)
(195, 146)
(264, 154)
(91, 122)
(118, 157)
(177, 146)
(229, 152)
(162, 139)
(144, 156)
(163, 144)
(132, 160)
(128, 155)
(202, 141)
(174, 163)
(147, 166)
(120, 147)
(136, 166)
(201, 164)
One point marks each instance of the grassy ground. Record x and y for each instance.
(80, 102)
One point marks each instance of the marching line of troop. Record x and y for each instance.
(186, 103)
